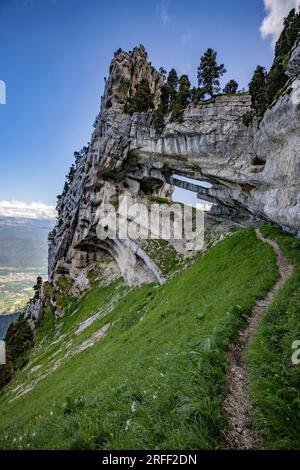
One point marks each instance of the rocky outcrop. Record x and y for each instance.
(254, 169)
(293, 68)
(125, 72)
(33, 310)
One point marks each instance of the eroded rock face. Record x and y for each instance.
(277, 143)
(293, 69)
(126, 71)
(254, 169)
(34, 308)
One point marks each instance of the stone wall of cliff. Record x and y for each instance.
(254, 169)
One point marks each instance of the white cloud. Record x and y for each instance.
(276, 11)
(34, 210)
(163, 11)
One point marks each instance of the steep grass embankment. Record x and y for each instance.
(141, 367)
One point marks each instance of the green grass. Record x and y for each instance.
(164, 256)
(274, 380)
(65, 284)
(157, 378)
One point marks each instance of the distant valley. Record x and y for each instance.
(23, 257)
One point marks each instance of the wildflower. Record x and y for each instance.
(133, 406)
(127, 425)
(154, 396)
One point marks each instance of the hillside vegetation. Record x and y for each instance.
(274, 380)
(155, 379)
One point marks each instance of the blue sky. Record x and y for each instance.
(54, 55)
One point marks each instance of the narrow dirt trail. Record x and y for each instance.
(239, 433)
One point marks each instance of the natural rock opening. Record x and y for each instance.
(250, 170)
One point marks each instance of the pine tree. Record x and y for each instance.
(289, 34)
(163, 72)
(209, 72)
(162, 109)
(97, 119)
(231, 87)
(118, 51)
(159, 118)
(172, 80)
(81, 154)
(172, 86)
(184, 93)
(277, 77)
(265, 88)
(141, 101)
(258, 90)
(51, 235)
(182, 98)
(37, 287)
(164, 98)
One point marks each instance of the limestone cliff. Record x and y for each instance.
(254, 169)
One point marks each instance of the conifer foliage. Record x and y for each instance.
(141, 101)
(267, 87)
(231, 87)
(210, 72)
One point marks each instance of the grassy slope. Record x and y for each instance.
(156, 380)
(274, 380)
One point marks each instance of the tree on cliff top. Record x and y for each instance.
(231, 87)
(184, 93)
(172, 84)
(258, 90)
(267, 87)
(37, 287)
(277, 77)
(182, 98)
(141, 101)
(209, 72)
